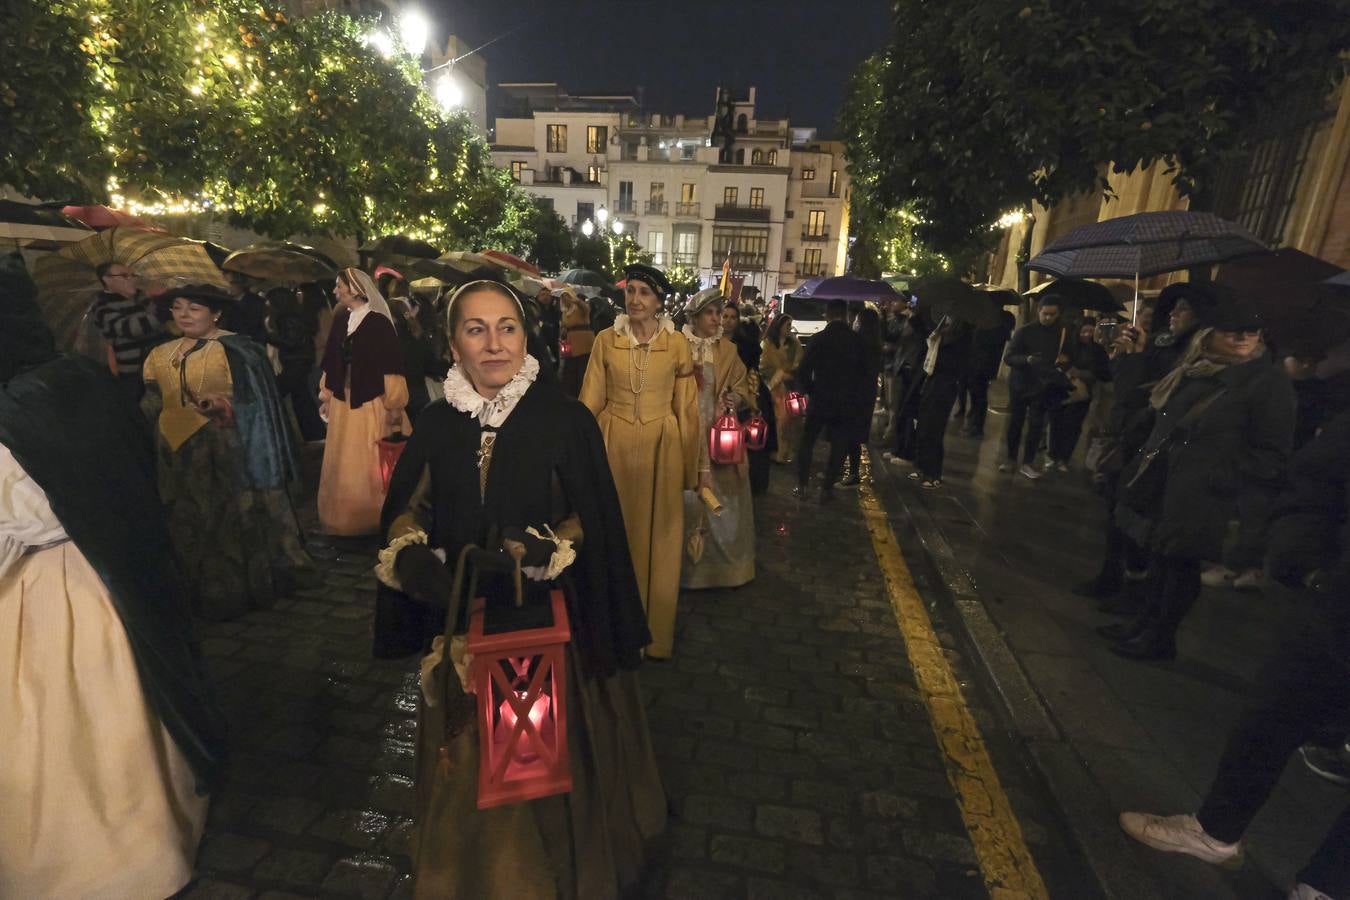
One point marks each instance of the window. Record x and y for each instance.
(625, 196)
(656, 243)
(742, 124)
(585, 211)
(688, 151)
(517, 166)
(593, 174)
(729, 196)
(811, 264)
(686, 193)
(740, 157)
(757, 157)
(686, 247)
(773, 157)
(557, 139)
(808, 174)
(834, 181)
(757, 198)
(597, 136)
(815, 223)
(789, 254)
(657, 192)
(747, 246)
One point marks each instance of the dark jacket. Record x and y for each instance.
(1240, 444)
(833, 372)
(1133, 376)
(1308, 528)
(1031, 357)
(986, 351)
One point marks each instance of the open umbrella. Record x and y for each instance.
(584, 278)
(1078, 294)
(513, 262)
(1287, 277)
(398, 247)
(999, 296)
(101, 217)
(955, 299)
(848, 288)
(67, 281)
(281, 262)
(1146, 244)
(38, 227)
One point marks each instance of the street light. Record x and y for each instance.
(448, 93)
(617, 227)
(588, 228)
(380, 41)
(602, 215)
(413, 31)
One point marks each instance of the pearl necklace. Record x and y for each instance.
(641, 367)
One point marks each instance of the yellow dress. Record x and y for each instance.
(652, 433)
(778, 366)
(351, 489)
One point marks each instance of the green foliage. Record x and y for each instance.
(684, 279)
(552, 248)
(280, 126)
(984, 106)
(608, 255)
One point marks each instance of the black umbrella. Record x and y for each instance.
(999, 296)
(400, 247)
(281, 262)
(1146, 244)
(1078, 294)
(955, 299)
(585, 278)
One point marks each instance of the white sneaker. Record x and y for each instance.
(1217, 577)
(1007, 465)
(1250, 580)
(1179, 834)
(1030, 471)
(1303, 891)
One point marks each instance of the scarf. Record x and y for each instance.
(490, 412)
(1199, 361)
(703, 350)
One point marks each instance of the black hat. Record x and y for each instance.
(650, 276)
(1235, 312)
(205, 294)
(1201, 296)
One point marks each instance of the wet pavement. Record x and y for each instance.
(797, 752)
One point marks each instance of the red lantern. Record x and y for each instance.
(390, 449)
(756, 433)
(564, 349)
(796, 404)
(726, 441)
(522, 717)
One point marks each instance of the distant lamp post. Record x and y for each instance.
(588, 228)
(617, 227)
(413, 31)
(602, 216)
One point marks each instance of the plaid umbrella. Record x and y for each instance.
(512, 262)
(38, 227)
(101, 217)
(281, 262)
(1146, 244)
(67, 281)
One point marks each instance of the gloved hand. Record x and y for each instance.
(423, 575)
(538, 551)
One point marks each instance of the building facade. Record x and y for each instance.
(693, 190)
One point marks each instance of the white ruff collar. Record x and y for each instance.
(704, 350)
(663, 323)
(460, 394)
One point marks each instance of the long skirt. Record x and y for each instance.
(728, 558)
(586, 844)
(240, 549)
(97, 800)
(351, 489)
(647, 460)
(789, 427)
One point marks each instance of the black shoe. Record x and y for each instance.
(1095, 588)
(1152, 643)
(1121, 631)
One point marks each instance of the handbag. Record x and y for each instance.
(1144, 490)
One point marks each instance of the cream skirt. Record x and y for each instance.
(95, 799)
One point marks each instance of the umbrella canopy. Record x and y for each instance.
(67, 281)
(1078, 294)
(1287, 277)
(584, 278)
(806, 287)
(955, 299)
(101, 217)
(281, 262)
(400, 246)
(512, 262)
(217, 252)
(38, 227)
(1146, 244)
(999, 296)
(848, 288)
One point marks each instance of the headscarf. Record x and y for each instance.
(1199, 362)
(365, 354)
(366, 287)
(472, 286)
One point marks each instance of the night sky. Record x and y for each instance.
(799, 53)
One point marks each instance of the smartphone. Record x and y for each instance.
(1106, 333)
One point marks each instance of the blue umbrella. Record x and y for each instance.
(846, 287)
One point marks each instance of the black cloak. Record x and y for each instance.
(550, 440)
(76, 435)
(369, 353)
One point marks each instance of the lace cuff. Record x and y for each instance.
(384, 569)
(563, 556)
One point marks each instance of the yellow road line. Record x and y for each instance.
(1009, 871)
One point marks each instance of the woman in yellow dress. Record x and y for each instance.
(640, 386)
(778, 366)
(362, 396)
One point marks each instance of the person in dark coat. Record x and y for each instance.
(947, 360)
(291, 331)
(745, 335)
(1225, 425)
(986, 352)
(910, 345)
(1088, 366)
(1302, 690)
(833, 374)
(1036, 382)
(868, 326)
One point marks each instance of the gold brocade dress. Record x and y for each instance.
(645, 399)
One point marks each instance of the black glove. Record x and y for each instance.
(423, 575)
(538, 551)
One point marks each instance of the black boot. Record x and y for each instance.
(1122, 631)
(1152, 643)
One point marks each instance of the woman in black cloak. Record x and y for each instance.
(508, 456)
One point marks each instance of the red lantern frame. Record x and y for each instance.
(390, 449)
(520, 679)
(756, 433)
(796, 404)
(726, 441)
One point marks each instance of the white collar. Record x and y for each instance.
(703, 349)
(460, 394)
(663, 323)
(356, 317)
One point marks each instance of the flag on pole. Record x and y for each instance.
(725, 285)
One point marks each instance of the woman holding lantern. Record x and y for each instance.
(510, 463)
(720, 549)
(778, 365)
(640, 386)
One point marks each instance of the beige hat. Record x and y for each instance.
(702, 300)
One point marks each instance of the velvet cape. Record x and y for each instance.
(270, 459)
(549, 441)
(76, 435)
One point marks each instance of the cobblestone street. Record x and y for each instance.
(797, 753)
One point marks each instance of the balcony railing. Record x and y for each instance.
(685, 259)
(657, 208)
(625, 207)
(734, 212)
(687, 210)
(743, 262)
(810, 270)
(815, 235)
